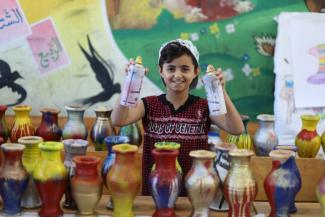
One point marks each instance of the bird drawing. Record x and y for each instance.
(104, 75)
(7, 80)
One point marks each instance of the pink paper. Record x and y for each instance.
(13, 23)
(47, 48)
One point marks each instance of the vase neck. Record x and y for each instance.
(49, 117)
(75, 115)
(22, 115)
(166, 162)
(12, 157)
(266, 124)
(240, 161)
(309, 125)
(103, 115)
(125, 158)
(86, 170)
(53, 156)
(205, 163)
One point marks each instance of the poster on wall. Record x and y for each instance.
(13, 23)
(47, 48)
(308, 60)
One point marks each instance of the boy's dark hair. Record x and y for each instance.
(174, 50)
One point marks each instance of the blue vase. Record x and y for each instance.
(13, 178)
(110, 141)
(282, 183)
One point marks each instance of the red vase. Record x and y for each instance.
(4, 131)
(22, 124)
(49, 129)
(165, 182)
(50, 178)
(86, 184)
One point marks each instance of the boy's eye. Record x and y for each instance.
(170, 69)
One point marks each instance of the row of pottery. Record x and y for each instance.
(74, 128)
(307, 141)
(202, 181)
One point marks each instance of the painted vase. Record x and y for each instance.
(214, 137)
(244, 140)
(22, 124)
(133, 132)
(307, 140)
(13, 178)
(72, 148)
(50, 177)
(124, 180)
(111, 141)
(320, 192)
(240, 187)
(4, 130)
(288, 148)
(222, 166)
(86, 185)
(201, 182)
(101, 128)
(31, 157)
(49, 128)
(265, 138)
(169, 145)
(165, 182)
(282, 183)
(75, 127)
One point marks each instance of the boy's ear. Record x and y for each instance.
(159, 69)
(197, 71)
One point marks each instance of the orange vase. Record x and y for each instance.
(22, 124)
(124, 180)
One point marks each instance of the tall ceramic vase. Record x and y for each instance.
(101, 128)
(111, 141)
(282, 183)
(86, 185)
(201, 182)
(75, 127)
(4, 131)
(13, 178)
(72, 148)
(50, 177)
(22, 124)
(320, 192)
(124, 180)
(307, 140)
(265, 138)
(240, 187)
(49, 128)
(222, 166)
(133, 132)
(165, 182)
(30, 159)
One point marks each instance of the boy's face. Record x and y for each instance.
(179, 73)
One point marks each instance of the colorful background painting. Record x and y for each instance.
(100, 36)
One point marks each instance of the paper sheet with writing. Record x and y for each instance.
(47, 47)
(13, 23)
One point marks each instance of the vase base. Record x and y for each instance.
(166, 212)
(93, 214)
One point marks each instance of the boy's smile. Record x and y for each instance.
(178, 74)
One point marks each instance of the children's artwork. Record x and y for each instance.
(13, 24)
(308, 60)
(287, 115)
(47, 48)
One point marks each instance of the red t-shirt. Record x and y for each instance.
(187, 125)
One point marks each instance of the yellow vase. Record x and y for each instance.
(124, 180)
(307, 140)
(23, 124)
